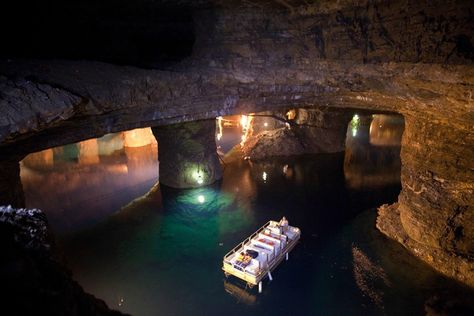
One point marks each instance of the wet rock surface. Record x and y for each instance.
(311, 131)
(410, 57)
(278, 142)
(434, 214)
(33, 281)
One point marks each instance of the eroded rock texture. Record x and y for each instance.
(32, 279)
(434, 215)
(187, 154)
(250, 58)
(311, 131)
(410, 57)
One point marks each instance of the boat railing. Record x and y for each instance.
(269, 262)
(234, 250)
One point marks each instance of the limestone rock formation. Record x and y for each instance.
(278, 142)
(363, 54)
(187, 154)
(411, 57)
(311, 131)
(434, 215)
(32, 279)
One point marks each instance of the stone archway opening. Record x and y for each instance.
(372, 150)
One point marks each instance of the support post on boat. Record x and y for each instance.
(260, 253)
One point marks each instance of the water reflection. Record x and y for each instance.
(88, 152)
(96, 176)
(160, 251)
(240, 293)
(372, 156)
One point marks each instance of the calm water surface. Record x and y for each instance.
(148, 250)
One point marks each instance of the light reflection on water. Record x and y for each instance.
(83, 183)
(162, 252)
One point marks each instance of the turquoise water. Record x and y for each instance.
(161, 254)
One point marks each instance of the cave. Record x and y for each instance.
(146, 139)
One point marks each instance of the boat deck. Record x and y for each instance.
(267, 247)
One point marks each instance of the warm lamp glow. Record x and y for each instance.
(245, 122)
(219, 126)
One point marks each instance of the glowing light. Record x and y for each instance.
(291, 114)
(201, 199)
(354, 124)
(265, 124)
(219, 122)
(198, 176)
(264, 176)
(245, 122)
(138, 137)
(285, 168)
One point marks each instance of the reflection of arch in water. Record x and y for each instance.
(88, 152)
(88, 192)
(372, 155)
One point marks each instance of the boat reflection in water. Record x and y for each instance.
(240, 292)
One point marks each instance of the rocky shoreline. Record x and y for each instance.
(34, 281)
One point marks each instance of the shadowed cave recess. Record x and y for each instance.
(297, 77)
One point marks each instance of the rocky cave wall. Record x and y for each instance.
(410, 57)
(359, 31)
(384, 55)
(34, 279)
(311, 131)
(434, 215)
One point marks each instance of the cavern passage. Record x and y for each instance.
(74, 71)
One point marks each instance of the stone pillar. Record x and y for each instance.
(11, 189)
(138, 137)
(42, 159)
(434, 216)
(187, 154)
(88, 152)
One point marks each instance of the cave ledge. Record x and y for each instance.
(449, 264)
